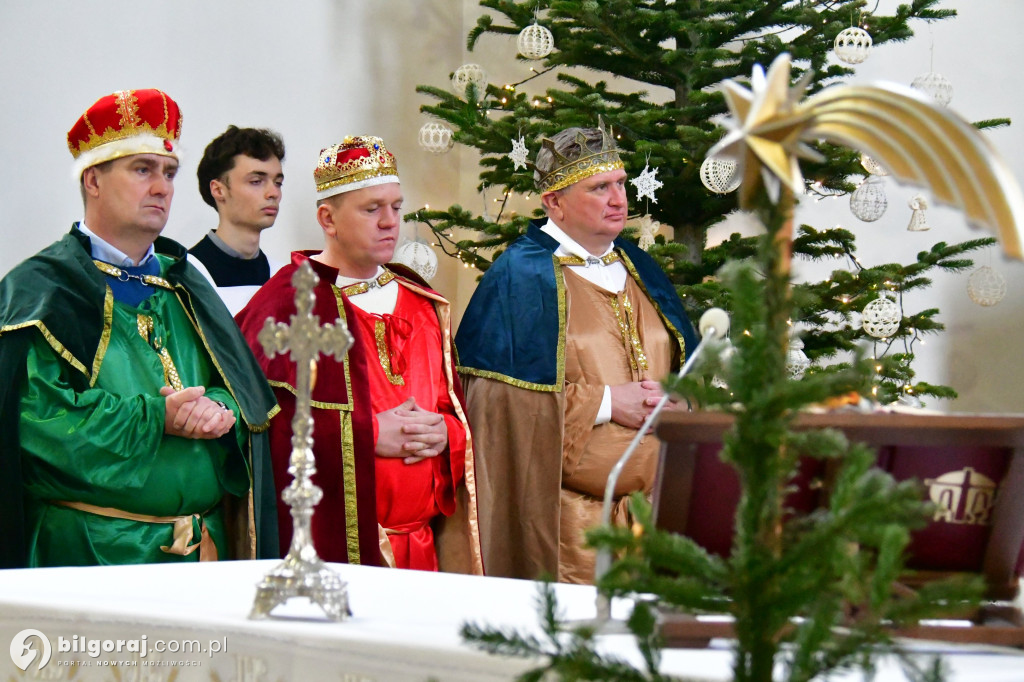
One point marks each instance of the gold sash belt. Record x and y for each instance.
(182, 528)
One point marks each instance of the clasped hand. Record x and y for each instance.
(632, 402)
(190, 414)
(410, 432)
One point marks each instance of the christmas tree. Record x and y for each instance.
(652, 71)
(809, 594)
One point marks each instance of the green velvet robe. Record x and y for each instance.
(82, 417)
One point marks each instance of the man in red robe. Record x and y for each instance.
(392, 445)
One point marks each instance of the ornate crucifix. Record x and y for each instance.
(303, 573)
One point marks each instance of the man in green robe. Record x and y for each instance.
(132, 413)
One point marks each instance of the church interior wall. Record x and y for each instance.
(318, 70)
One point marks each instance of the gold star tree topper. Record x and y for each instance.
(921, 144)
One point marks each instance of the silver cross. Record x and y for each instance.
(303, 573)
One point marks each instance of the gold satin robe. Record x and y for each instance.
(534, 504)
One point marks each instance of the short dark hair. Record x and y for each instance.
(219, 156)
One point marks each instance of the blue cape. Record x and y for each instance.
(514, 327)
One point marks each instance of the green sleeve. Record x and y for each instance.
(112, 437)
(240, 431)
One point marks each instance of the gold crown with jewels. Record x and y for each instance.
(356, 162)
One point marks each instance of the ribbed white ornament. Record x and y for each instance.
(719, 175)
(436, 137)
(535, 41)
(469, 74)
(418, 255)
(868, 202)
(986, 287)
(881, 317)
(852, 45)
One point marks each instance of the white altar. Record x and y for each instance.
(405, 626)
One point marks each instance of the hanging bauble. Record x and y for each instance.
(918, 223)
(881, 317)
(852, 45)
(535, 41)
(936, 86)
(436, 137)
(797, 361)
(868, 201)
(986, 287)
(466, 75)
(648, 228)
(872, 166)
(719, 175)
(417, 255)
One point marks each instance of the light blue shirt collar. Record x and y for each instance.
(108, 253)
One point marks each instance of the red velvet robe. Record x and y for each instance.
(365, 495)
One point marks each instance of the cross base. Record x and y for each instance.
(298, 577)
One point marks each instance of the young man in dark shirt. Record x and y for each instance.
(240, 176)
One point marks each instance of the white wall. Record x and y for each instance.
(980, 53)
(316, 70)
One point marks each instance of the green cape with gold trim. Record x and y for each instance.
(60, 294)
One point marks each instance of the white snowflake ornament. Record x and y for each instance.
(518, 153)
(647, 183)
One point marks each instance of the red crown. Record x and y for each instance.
(124, 123)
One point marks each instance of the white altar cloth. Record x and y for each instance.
(405, 626)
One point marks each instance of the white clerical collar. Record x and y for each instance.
(108, 253)
(567, 246)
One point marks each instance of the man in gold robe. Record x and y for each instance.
(561, 349)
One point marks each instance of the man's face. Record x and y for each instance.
(365, 225)
(133, 194)
(249, 194)
(594, 206)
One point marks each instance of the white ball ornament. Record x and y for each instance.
(986, 287)
(466, 75)
(535, 41)
(852, 45)
(881, 317)
(719, 175)
(418, 255)
(436, 137)
(936, 86)
(872, 166)
(868, 202)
